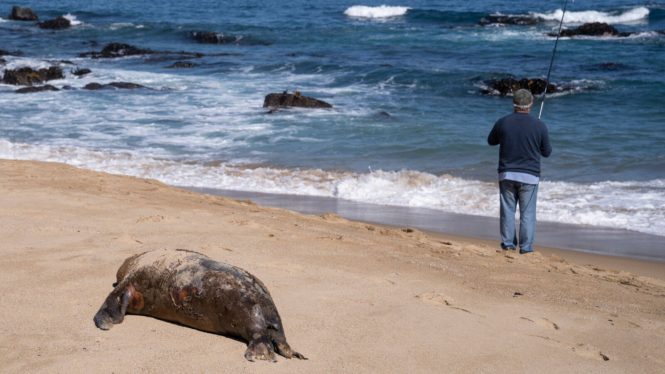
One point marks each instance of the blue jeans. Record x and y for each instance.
(526, 194)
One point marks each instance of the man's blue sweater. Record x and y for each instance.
(522, 139)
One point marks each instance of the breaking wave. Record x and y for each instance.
(383, 11)
(623, 205)
(634, 15)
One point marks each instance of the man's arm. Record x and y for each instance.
(545, 147)
(493, 137)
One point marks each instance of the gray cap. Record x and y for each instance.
(522, 98)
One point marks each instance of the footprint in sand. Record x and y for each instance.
(153, 218)
(439, 299)
(580, 349)
(543, 322)
(589, 351)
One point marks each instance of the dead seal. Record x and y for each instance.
(192, 289)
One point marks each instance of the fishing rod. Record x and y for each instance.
(549, 71)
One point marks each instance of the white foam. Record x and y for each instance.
(383, 11)
(625, 205)
(639, 14)
(72, 19)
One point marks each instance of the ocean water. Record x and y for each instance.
(409, 122)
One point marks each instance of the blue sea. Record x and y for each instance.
(409, 122)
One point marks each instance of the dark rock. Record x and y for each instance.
(119, 85)
(2, 61)
(22, 14)
(182, 64)
(113, 50)
(81, 72)
(592, 29)
(211, 37)
(609, 66)
(32, 89)
(295, 99)
(27, 76)
(56, 24)
(506, 86)
(493, 19)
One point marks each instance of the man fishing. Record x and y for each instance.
(522, 140)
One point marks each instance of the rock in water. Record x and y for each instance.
(22, 14)
(212, 37)
(32, 89)
(592, 29)
(113, 50)
(285, 99)
(27, 76)
(507, 86)
(56, 24)
(81, 72)
(492, 19)
(119, 85)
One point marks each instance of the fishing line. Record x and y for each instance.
(549, 71)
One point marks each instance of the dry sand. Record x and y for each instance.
(354, 297)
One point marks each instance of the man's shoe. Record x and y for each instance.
(525, 252)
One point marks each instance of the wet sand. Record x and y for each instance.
(353, 296)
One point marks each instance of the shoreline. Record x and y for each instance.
(579, 239)
(345, 290)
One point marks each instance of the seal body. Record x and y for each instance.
(194, 290)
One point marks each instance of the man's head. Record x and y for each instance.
(522, 100)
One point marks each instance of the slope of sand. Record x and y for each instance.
(354, 297)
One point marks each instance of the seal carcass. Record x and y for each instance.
(194, 290)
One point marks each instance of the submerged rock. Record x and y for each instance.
(182, 64)
(26, 76)
(55, 24)
(114, 50)
(81, 72)
(493, 19)
(295, 99)
(592, 29)
(211, 37)
(118, 85)
(33, 89)
(23, 14)
(506, 86)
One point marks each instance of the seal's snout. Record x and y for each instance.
(102, 320)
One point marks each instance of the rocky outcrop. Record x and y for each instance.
(284, 99)
(27, 76)
(112, 85)
(114, 50)
(33, 89)
(592, 29)
(55, 24)
(22, 14)
(506, 86)
(81, 72)
(493, 19)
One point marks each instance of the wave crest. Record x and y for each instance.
(638, 14)
(382, 11)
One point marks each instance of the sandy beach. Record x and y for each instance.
(354, 297)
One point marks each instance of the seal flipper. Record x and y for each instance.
(260, 348)
(282, 347)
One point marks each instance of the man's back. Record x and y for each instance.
(522, 139)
